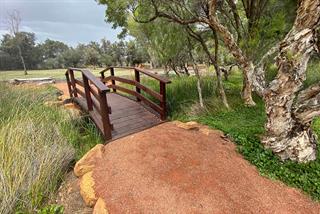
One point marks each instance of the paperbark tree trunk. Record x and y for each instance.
(199, 86)
(243, 61)
(197, 74)
(290, 112)
(213, 61)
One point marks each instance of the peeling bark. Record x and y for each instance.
(288, 127)
(307, 105)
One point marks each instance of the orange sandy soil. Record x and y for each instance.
(169, 169)
(63, 87)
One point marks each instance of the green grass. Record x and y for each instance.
(38, 144)
(245, 125)
(58, 74)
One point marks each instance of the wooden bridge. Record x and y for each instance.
(118, 114)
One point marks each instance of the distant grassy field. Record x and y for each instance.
(57, 74)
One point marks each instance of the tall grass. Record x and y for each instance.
(37, 145)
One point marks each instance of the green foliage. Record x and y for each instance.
(271, 23)
(9, 59)
(52, 209)
(52, 49)
(54, 54)
(166, 41)
(182, 93)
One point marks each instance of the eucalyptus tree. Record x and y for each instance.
(13, 22)
(170, 44)
(167, 42)
(12, 47)
(213, 57)
(52, 49)
(192, 13)
(290, 108)
(136, 53)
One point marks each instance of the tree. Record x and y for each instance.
(197, 73)
(91, 57)
(289, 109)
(118, 53)
(135, 54)
(194, 14)
(72, 58)
(14, 21)
(52, 49)
(213, 59)
(11, 48)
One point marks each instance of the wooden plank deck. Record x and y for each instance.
(127, 116)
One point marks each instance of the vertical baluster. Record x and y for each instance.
(104, 110)
(87, 92)
(69, 84)
(102, 76)
(163, 103)
(73, 83)
(137, 78)
(113, 81)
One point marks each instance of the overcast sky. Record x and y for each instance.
(70, 21)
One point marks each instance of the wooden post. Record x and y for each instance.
(137, 78)
(69, 84)
(73, 83)
(113, 81)
(104, 110)
(102, 76)
(163, 103)
(87, 92)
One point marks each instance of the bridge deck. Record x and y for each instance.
(116, 115)
(127, 116)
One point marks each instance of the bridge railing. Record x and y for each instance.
(160, 107)
(90, 93)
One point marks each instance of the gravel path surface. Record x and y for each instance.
(171, 168)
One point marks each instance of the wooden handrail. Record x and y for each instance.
(146, 72)
(149, 91)
(90, 93)
(160, 96)
(93, 99)
(100, 86)
(155, 76)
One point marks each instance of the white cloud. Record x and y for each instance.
(70, 21)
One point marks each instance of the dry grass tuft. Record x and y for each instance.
(34, 154)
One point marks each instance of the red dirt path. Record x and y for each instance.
(167, 169)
